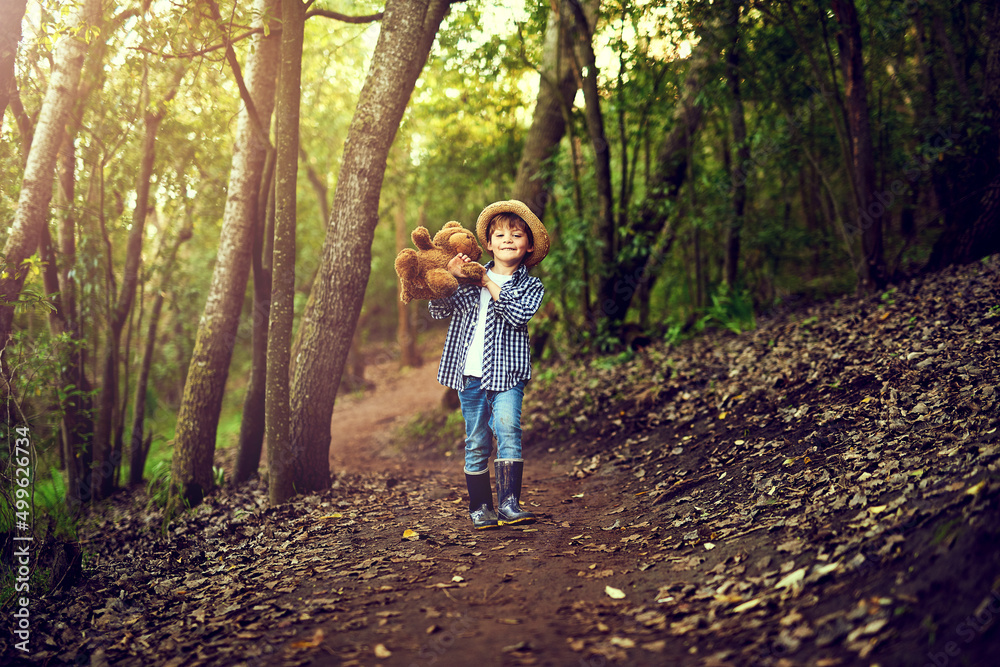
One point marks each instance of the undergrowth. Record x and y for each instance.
(434, 430)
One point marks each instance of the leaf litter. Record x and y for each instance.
(820, 491)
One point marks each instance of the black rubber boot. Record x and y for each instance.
(509, 473)
(481, 501)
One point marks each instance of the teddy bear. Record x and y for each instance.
(423, 273)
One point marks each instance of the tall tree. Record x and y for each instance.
(11, 14)
(327, 326)
(666, 177)
(977, 233)
(606, 230)
(741, 164)
(557, 84)
(406, 329)
(139, 443)
(251, 439)
(107, 455)
(198, 416)
(868, 209)
(281, 471)
(39, 173)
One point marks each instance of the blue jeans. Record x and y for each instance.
(487, 413)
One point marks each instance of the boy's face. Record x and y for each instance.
(508, 244)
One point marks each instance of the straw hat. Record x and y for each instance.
(539, 235)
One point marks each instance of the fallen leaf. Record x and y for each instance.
(792, 579)
(977, 489)
(656, 647)
(316, 640)
(746, 606)
(381, 651)
(614, 593)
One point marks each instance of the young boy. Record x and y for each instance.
(486, 356)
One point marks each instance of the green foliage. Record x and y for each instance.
(158, 484)
(435, 430)
(164, 494)
(731, 310)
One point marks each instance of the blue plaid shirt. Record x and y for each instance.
(506, 355)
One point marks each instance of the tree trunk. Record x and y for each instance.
(39, 173)
(107, 449)
(408, 30)
(965, 240)
(742, 163)
(251, 442)
(105, 461)
(281, 471)
(198, 416)
(138, 444)
(77, 427)
(405, 328)
(869, 210)
(556, 87)
(667, 177)
(11, 15)
(606, 232)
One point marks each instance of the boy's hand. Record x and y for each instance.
(455, 265)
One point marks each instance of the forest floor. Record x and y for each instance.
(822, 490)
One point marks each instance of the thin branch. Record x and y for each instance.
(323, 13)
(207, 49)
(263, 134)
(337, 16)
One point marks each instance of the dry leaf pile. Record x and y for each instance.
(849, 451)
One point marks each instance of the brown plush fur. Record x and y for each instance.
(423, 273)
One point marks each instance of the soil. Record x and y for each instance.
(822, 490)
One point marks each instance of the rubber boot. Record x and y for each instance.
(509, 473)
(481, 501)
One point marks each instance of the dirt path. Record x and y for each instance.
(363, 424)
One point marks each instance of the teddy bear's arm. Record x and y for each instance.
(473, 271)
(422, 238)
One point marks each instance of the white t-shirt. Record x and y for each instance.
(474, 357)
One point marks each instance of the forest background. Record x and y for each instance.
(203, 200)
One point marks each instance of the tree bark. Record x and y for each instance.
(741, 165)
(556, 87)
(138, 443)
(406, 332)
(39, 173)
(11, 15)
(408, 30)
(251, 442)
(77, 426)
(198, 416)
(606, 230)
(868, 209)
(281, 471)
